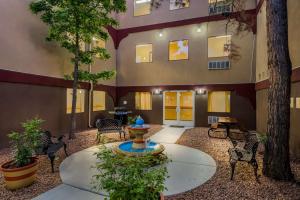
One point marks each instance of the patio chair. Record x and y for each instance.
(48, 147)
(244, 153)
(215, 131)
(109, 126)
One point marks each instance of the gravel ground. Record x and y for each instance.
(47, 180)
(244, 185)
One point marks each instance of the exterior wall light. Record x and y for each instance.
(157, 91)
(199, 30)
(200, 91)
(161, 34)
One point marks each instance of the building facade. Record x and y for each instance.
(172, 66)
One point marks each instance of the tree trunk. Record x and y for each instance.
(74, 95)
(276, 159)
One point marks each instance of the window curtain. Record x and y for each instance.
(143, 100)
(227, 101)
(218, 101)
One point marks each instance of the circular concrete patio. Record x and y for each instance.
(189, 169)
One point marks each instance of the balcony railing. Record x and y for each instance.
(219, 8)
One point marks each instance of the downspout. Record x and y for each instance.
(252, 58)
(90, 93)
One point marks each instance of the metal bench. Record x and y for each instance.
(48, 147)
(109, 126)
(244, 153)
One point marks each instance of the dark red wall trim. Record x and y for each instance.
(259, 5)
(32, 79)
(120, 34)
(296, 75)
(244, 89)
(266, 84)
(262, 85)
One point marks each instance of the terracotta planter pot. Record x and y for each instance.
(162, 196)
(16, 178)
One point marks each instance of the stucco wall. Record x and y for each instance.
(23, 45)
(192, 71)
(262, 117)
(294, 42)
(197, 8)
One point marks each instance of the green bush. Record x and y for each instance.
(134, 178)
(25, 143)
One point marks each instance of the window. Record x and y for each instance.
(175, 4)
(98, 100)
(143, 101)
(179, 50)
(218, 7)
(292, 102)
(219, 101)
(143, 53)
(298, 102)
(79, 102)
(98, 43)
(219, 46)
(142, 7)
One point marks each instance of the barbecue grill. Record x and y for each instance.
(121, 113)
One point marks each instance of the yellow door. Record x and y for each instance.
(170, 106)
(186, 106)
(179, 108)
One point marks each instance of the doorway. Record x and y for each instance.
(179, 108)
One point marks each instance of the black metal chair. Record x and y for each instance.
(109, 126)
(246, 153)
(48, 147)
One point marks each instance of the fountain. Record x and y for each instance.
(139, 146)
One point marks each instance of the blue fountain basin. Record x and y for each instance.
(127, 147)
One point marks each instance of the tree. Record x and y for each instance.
(72, 23)
(276, 158)
(276, 162)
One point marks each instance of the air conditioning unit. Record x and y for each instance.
(220, 8)
(219, 65)
(213, 119)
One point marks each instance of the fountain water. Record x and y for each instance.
(139, 146)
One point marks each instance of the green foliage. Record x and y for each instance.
(134, 178)
(25, 143)
(73, 23)
(86, 76)
(262, 138)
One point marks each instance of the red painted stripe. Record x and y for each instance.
(18, 178)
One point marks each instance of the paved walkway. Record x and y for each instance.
(189, 169)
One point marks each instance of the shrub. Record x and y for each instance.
(25, 143)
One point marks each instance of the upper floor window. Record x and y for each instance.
(98, 100)
(79, 102)
(143, 101)
(219, 46)
(179, 50)
(219, 101)
(143, 53)
(177, 4)
(142, 7)
(218, 7)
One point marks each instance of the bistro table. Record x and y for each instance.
(227, 122)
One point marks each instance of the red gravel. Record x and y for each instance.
(244, 185)
(47, 180)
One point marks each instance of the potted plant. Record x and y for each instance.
(21, 171)
(262, 138)
(134, 178)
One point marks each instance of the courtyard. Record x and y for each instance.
(149, 99)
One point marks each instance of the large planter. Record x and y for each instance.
(16, 178)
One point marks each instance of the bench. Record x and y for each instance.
(109, 126)
(50, 148)
(244, 153)
(214, 131)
